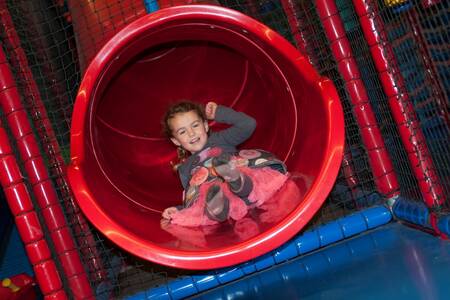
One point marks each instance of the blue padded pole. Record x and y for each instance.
(418, 213)
(151, 6)
(412, 212)
(444, 224)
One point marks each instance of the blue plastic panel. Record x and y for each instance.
(302, 244)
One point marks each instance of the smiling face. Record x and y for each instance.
(189, 131)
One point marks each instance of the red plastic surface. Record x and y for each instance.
(120, 167)
(25, 285)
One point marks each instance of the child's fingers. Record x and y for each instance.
(164, 223)
(209, 107)
(210, 110)
(168, 212)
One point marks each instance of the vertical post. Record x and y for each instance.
(380, 162)
(294, 24)
(45, 194)
(45, 132)
(401, 107)
(297, 29)
(27, 221)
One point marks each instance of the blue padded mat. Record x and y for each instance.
(391, 262)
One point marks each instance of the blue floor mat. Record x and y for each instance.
(391, 262)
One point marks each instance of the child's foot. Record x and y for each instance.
(225, 168)
(217, 205)
(239, 184)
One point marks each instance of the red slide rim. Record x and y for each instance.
(241, 252)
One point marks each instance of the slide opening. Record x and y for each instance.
(121, 172)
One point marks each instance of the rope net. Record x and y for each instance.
(43, 40)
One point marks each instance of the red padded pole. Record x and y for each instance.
(429, 3)
(96, 22)
(401, 106)
(35, 167)
(298, 31)
(47, 135)
(295, 24)
(26, 219)
(381, 164)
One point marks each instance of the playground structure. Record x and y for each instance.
(388, 61)
(120, 169)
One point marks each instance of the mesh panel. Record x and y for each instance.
(354, 188)
(379, 101)
(53, 84)
(269, 12)
(109, 17)
(37, 207)
(419, 36)
(426, 82)
(49, 43)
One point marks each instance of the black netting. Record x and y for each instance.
(46, 29)
(355, 186)
(49, 43)
(378, 101)
(269, 12)
(420, 38)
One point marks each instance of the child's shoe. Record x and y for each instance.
(217, 204)
(225, 168)
(240, 184)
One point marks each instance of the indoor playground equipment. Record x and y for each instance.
(352, 95)
(120, 170)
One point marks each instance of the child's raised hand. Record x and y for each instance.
(168, 212)
(210, 110)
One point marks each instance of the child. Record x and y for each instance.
(219, 182)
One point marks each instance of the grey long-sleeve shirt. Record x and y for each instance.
(242, 127)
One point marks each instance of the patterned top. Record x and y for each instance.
(242, 127)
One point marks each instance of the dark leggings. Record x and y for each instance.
(242, 187)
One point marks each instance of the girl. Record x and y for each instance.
(219, 182)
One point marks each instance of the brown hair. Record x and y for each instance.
(177, 108)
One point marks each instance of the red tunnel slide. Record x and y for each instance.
(120, 169)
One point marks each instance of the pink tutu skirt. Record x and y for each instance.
(266, 182)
